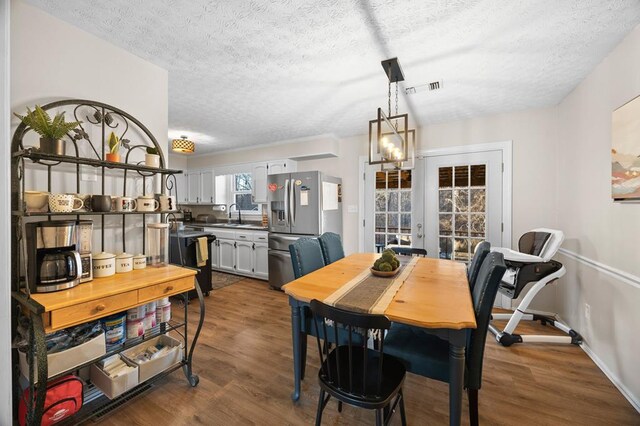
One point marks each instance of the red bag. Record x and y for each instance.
(64, 398)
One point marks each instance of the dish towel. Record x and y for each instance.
(202, 251)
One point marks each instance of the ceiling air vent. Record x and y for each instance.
(428, 87)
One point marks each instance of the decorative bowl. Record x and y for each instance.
(384, 273)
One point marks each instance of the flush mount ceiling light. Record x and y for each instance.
(183, 145)
(391, 142)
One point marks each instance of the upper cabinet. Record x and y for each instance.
(210, 187)
(181, 189)
(259, 187)
(281, 166)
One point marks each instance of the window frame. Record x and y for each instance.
(233, 192)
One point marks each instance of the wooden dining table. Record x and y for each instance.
(435, 297)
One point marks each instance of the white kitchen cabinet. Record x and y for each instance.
(195, 187)
(215, 254)
(181, 189)
(241, 252)
(259, 187)
(260, 260)
(227, 255)
(281, 166)
(244, 257)
(208, 187)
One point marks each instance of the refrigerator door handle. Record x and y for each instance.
(293, 203)
(286, 201)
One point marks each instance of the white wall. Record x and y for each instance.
(52, 60)
(5, 221)
(597, 229)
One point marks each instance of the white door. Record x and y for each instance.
(194, 186)
(259, 187)
(215, 255)
(392, 208)
(227, 255)
(261, 261)
(244, 257)
(208, 187)
(463, 203)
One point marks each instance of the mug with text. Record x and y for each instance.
(147, 203)
(64, 203)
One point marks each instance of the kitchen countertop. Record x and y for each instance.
(246, 227)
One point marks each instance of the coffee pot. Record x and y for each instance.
(53, 263)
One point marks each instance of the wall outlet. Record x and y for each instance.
(587, 311)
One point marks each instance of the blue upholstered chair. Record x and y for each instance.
(481, 252)
(331, 245)
(306, 256)
(427, 355)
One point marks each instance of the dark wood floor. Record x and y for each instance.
(245, 366)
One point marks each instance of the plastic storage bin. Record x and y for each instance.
(148, 369)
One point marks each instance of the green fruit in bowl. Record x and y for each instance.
(377, 264)
(395, 264)
(386, 267)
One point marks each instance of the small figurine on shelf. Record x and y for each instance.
(114, 147)
(51, 131)
(151, 158)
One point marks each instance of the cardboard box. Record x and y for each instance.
(66, 360)
(113, 387)
(148, 369)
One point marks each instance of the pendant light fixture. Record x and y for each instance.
(183, 145)
(391, 142)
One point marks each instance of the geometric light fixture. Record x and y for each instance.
(391, 142)
(183, 145)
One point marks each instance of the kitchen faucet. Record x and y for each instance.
(239, 214)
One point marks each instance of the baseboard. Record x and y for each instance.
(635, 403)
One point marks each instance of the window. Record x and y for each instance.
(241, 191)
(462, 207)
(393, 208)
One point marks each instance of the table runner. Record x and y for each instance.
(367, 293)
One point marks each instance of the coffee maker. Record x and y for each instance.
(53, 263)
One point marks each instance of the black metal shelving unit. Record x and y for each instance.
(105, 118)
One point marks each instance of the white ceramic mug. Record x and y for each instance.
(36, 201)
(126, 204)
(146, 203)
(168, 203)
(64, 203)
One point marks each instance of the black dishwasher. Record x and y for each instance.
(184, 242)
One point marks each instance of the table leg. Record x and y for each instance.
(295, 330)
(456, 382)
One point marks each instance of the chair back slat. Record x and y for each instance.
(359, 375)
(480, 253)
(331, 245)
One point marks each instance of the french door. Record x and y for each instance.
(463, 203)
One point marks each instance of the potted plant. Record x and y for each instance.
(114, 147)
(151, 158)
(51, 131)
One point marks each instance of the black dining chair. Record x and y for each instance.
(351, 372)
(331, 245)
(409, 251)
(427, 355)
(480, 253)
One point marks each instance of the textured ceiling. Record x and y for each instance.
(252, 72)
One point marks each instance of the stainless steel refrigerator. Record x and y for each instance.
(304, 204)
